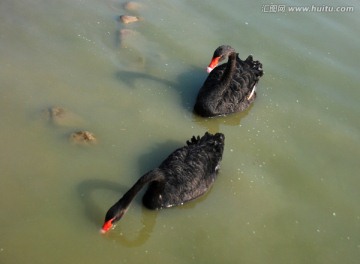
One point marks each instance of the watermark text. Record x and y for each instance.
(278, 8)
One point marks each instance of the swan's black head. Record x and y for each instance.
(114, 214)
(219, 55)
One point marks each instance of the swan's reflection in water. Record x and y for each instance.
(148, 220)
(213, 124)
(95, 212)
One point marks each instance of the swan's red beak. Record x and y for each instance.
(106, 226)
(214, 62)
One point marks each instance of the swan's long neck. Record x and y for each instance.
(154, 175)
(230, 70)
(117, 211)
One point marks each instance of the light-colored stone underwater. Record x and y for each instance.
(288, 188)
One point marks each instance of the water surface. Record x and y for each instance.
(288, 189)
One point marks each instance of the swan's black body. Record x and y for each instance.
(229, 87)
(184, 175)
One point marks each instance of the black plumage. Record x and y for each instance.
(230, 87)
(184, 175)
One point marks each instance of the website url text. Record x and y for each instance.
(273, 8)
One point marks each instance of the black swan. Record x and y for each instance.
(184, 175)
(230, 87)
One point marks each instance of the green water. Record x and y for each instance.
(288, 189)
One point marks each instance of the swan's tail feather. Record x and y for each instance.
(256, 66)
(252, 93)
(207, 138)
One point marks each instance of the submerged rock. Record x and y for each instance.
(83, 138)
(129, 19)
(132, 6)
(126, 36)
(62, 117)
(124, 33)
